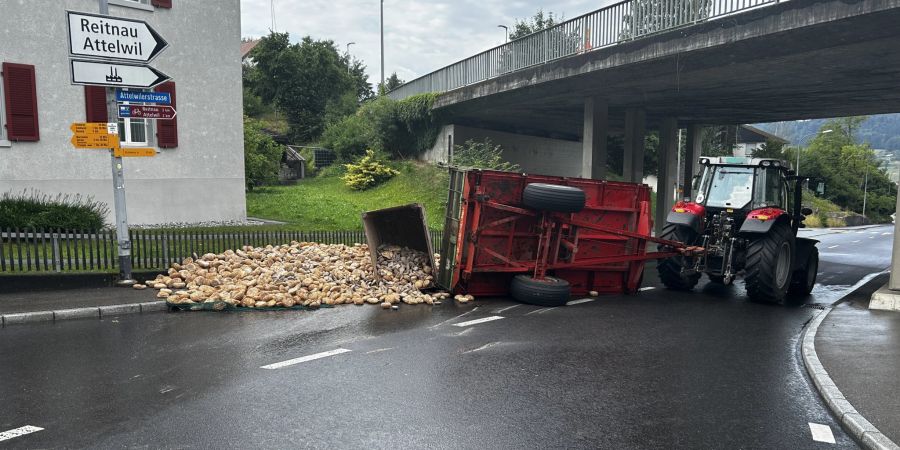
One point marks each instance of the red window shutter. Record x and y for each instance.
(162, 3)
(167, 130)
(95, 104)
(20, 92)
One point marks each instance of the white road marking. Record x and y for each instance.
(886, 234)
(483, 347)
(833, 246)
(578, 302)
(648, 288)
(540, 311)
(21, 431)
(873, 232)
(379, 350)
(477, 321)
(454, 318)
(306, 358)
(821, 433)
(501, 310)
(855, 242)
(871, 237)
(167, 388)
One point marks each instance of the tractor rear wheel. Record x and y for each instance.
(671, 270)
(768, 268)
(805, 277)
(550, 291)
(553, 197)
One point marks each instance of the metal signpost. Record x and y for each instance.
(147, 112)
(115, 53)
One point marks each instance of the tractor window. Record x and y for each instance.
(770, 190)
(727, 187)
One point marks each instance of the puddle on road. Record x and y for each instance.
(829, 294)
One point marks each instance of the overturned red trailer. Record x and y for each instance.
(542, 238)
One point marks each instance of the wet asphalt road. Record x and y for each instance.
(706, 369)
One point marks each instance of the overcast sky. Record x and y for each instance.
(420, 35)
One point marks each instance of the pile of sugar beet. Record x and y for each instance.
(301, 274)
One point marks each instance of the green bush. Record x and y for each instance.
(368, 172)
(40, 211)
(334, 170)
(262, 155)
(402, 128)
(482, 155)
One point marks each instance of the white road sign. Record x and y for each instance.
(98, 36)
(96, 73)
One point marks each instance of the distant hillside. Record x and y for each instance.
(881, 132)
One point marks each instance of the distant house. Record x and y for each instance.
(293, 165)
(750, 139)
(246, 47)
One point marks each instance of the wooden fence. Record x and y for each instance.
(24, 251)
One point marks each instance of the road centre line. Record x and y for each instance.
(821, 433)
(648, 288)
(885, 234)
(477, 321)
(21, 431)
(578, 302)
(540, 311)
(833, 246)
(855, 242)
(454, 318)
(306, 358)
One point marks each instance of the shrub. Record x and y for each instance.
(262, 155)
(402, 128)
(368, 172)
(482, 155)
(40, 211)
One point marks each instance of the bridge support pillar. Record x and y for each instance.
(668, 170)
(691, 157)
(633, 159)
(593, 142)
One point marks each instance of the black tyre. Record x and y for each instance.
(547, 292)
(671, 270)
(805, 277)
(553, 197)
(768, 267)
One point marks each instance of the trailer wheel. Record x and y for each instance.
(553, 197)
(768, 268)
(671, 269)
(547, 292)
(805, 278)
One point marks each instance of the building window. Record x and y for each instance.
(134, 131)
(139, 4)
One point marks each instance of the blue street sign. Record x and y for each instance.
(162, 98)
(124, 110)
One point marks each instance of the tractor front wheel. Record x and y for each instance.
(768, 268)
(674, 272)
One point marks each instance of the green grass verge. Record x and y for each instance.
(326, 204)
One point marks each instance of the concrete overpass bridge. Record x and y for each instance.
(551, 98)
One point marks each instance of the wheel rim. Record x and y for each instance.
(783, 266)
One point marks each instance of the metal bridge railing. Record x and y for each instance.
(615, 24)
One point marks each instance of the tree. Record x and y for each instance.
(262, 155)
(392, 82)
(652, 16)
(359, 78)
(770, 149)
(301, 80)
(536, 23)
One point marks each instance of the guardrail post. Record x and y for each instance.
(57, 263)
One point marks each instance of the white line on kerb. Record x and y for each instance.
(578, 302)
(821, 433)
(21, 431)
(833, 246)
(306, 358)
(648, 288)
(477, 321)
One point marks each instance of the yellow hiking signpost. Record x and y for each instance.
(101, 135)
(134, 152)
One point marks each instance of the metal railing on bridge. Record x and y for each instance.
(615, 24)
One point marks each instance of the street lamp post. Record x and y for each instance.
(382, 45)
(506, 29)
(348, 56)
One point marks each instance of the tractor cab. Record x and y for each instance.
(738, 186)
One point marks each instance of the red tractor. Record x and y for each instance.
(745, 214)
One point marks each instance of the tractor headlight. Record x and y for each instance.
(766, 163)
(776, 163)
(704, 161)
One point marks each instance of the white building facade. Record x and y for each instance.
(198, 172)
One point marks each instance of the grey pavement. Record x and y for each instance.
(19, 302)
(860, 349)
(661, 369)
